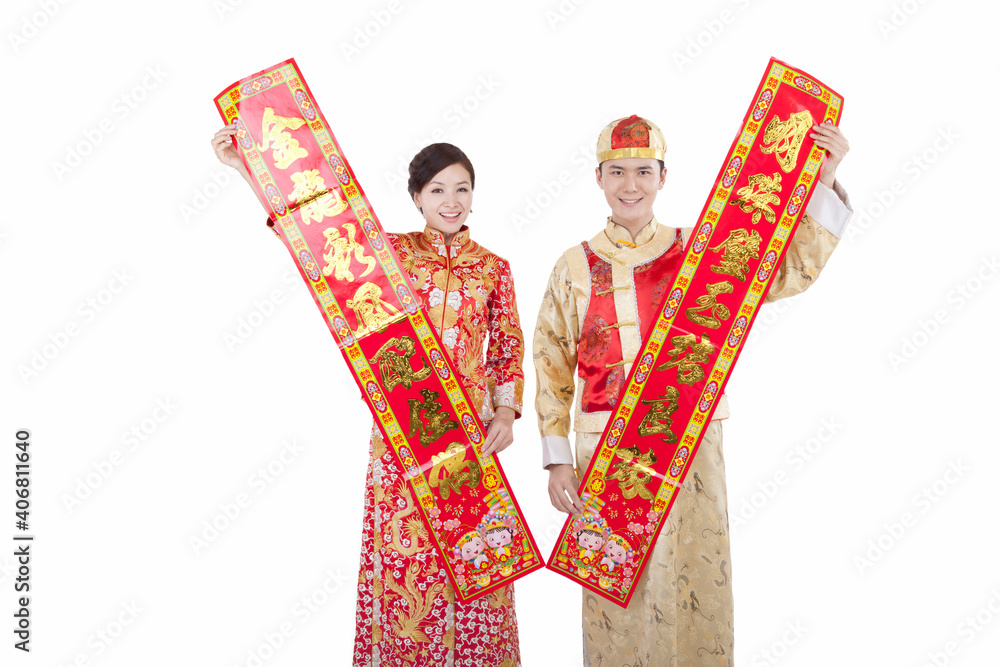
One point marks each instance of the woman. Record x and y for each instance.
(406, 611)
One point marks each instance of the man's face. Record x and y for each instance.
(630, 186)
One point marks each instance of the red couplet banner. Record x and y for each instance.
(420, 407)
(684, 363)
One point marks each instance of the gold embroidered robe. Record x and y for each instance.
(682, 611)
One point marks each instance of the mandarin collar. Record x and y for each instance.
(436, 238)
(620, 236)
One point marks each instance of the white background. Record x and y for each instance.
(524, 89)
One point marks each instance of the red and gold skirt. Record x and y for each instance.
(407, 614)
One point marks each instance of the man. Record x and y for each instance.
(601, 299)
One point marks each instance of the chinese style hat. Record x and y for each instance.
(630, 137)
(498, 516)
(591, 519)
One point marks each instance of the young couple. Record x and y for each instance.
(601, 297)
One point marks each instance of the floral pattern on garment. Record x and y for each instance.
(468, 293)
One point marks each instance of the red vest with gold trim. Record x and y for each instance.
(599, 350)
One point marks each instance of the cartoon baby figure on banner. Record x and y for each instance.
(473, 560)
(591, 532)
(498, 527)
(616, 567)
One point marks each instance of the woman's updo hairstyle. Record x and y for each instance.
(432, 159)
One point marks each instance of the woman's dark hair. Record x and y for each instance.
(432, 159)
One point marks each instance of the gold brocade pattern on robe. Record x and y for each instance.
(682, 610)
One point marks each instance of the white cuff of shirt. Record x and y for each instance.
(556, 449)
(830, 208)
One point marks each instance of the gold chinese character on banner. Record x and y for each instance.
(759, 196)
(394, 366)
(688, 369)
(657, 421)
(786, 136)
(737, 251)
(371, 311)
(716, 312)
(286, 148)
(338, 253)
(314, 200)
(438, 422)
(452, 469)
(633, 472)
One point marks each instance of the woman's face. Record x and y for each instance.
(589, 540)
(446, 200)
(498, 538)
